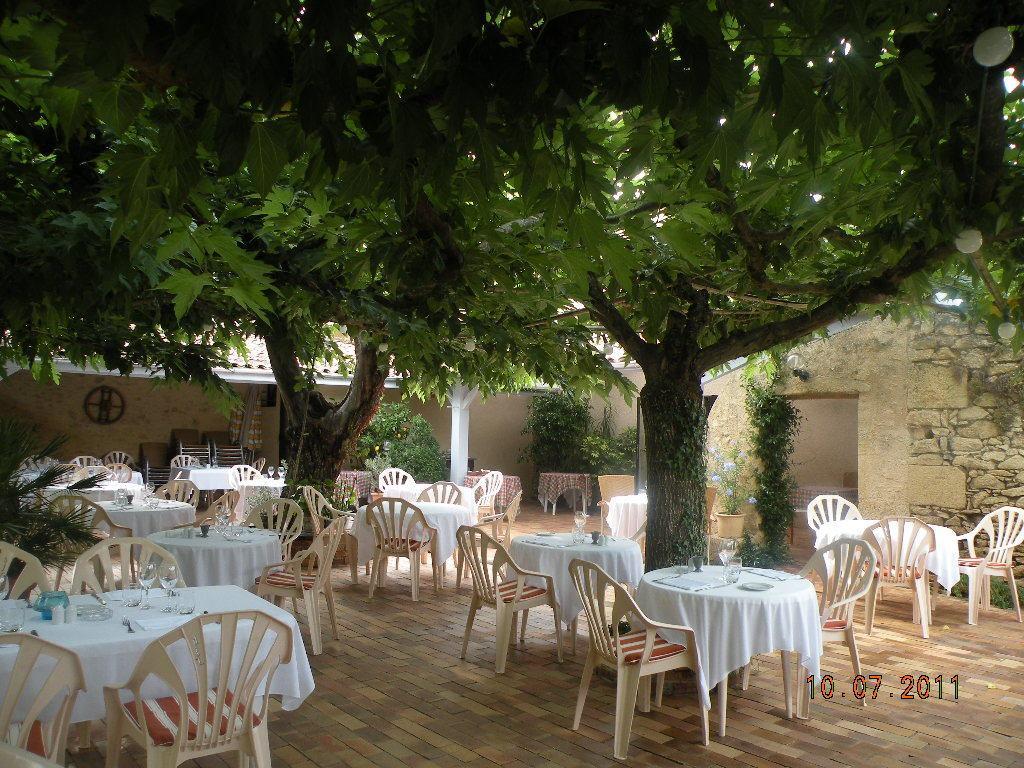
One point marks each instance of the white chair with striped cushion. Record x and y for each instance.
(218, 703)
(902, 546)
(36, 704)
(307, 577)
(117, 457)
(828, 508)
(634, 651)
(112, 563)
(500, 584)
(399, 530)
(86, 461)
(282, 516)
(1004, 530)
(180, 490)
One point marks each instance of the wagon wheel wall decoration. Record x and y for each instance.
(104, 405)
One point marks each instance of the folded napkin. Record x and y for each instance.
(690, 582)
(159, 623)
(768, 573)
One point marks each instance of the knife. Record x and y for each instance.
(102, 600)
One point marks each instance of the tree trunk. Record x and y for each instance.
(675, 434)
(322, 433)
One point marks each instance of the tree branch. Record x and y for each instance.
(990, 282)
(605, 312)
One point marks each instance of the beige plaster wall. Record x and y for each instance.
(826, 446)
(152, 410)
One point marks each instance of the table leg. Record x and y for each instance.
(723, 697)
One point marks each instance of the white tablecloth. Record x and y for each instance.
(943, 562)
(411, 493)
(626, 514)
(105, 491)
(215, 561)
(109, 653)
(145, 520)
(444, 518)
(136, 476)
(732, 625)
(621, 558)
(205, 478)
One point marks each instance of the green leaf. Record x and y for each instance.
(185, 286)
(118, 107)
(267, 154)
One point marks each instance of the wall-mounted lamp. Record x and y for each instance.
(795, 361)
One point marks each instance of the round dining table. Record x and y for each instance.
(626, 514)
(446, 519)
(144, 519)
(103, 491)
(217, 560)
(551, 554)
(732, 623)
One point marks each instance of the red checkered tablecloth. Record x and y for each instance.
(509, 488)
(552, 485)
(359, 479)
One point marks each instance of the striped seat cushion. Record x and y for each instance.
(402, 544)
(835, 624)
(974, 562)
(507, 592)
(287, 579)
(162, 716)
(35, 743)
(632, 646)
(892, 572)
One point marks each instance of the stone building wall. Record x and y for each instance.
(940, 403)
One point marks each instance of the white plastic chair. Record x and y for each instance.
(118, 457)
(391, 477)
(218, 702)
(31, 576)
(846, 570)
(113, 563)
(500, 584)
(180, 490)
(828, 508)
(86, 461)
(442, 492)
(43, 710)
(902, 546)
(640, 652)
(243, 473)
(282, 516)
(399, 530)
(1004, 529)
(183, 460)
(486, 491)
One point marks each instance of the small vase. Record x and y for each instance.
(730, 526)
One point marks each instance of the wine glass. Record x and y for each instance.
(147, 579)
(726, 552)
(169, 578)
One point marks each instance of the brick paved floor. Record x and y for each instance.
(393, 692)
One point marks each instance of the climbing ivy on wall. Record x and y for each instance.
(774, 422)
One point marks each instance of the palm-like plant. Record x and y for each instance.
(27, 519)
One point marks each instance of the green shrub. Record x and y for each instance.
(1001, 597)
(614, 455)
(557, 423)
(399, 438)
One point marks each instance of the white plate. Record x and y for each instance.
(755, 586)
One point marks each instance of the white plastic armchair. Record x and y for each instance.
(442, 492)
(35, 715)
(118, 457)
(183, 460)
(31, 577)
(227, 708)
(902, 546)
(399, 530)
(180, 490)
(282, 516)
(828, 508)
(1004, 531)
(113, 563)
(119, 473)
(86, 461)
(321, 512)
(391, 477)
(243, 473)
(486, 491)
(643, 649)
(500, 584)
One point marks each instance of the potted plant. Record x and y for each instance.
(725, 472)
(28, 520)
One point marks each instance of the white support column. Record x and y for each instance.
(460, 397)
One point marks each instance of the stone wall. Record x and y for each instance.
(939, 422)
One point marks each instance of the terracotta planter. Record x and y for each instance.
(730, 526)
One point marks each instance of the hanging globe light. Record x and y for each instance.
(795, 360)
(1006, 330)
(993, 46)
(968, 241)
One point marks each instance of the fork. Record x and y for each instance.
(126, 623)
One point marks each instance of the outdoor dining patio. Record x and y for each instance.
(393, 692)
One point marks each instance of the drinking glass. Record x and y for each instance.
(187, 605)
(726, 551)
(132, 595)
(169, 578)
(148, 578)
(732, 571)
(12, 617)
